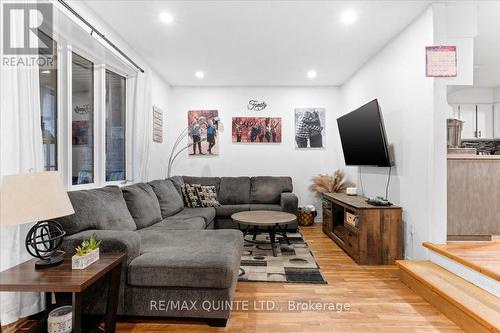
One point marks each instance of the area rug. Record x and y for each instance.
(294, 263)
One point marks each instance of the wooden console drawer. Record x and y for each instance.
(351, 243)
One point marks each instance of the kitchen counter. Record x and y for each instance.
(473, 157)
(473, 195)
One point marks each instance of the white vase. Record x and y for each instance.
(82, 262)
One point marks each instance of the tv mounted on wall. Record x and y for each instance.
(363, 138)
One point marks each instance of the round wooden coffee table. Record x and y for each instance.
(272, 220)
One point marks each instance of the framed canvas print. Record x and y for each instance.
(203, 127)
(256, 130)
(309, 127)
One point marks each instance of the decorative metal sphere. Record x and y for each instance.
(44, 239)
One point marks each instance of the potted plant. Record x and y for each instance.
(86, 254)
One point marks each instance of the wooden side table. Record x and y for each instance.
(25, 278)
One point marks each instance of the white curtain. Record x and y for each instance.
(21, 150)
(141, 118)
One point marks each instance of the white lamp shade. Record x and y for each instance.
(32, 197)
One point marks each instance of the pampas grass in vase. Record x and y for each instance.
(336, 183)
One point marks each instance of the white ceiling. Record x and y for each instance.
(487, 45)
(260, 43)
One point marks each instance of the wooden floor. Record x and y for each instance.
(483, 257)
(379, 301)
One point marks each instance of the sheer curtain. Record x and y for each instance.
(140, 119)
(20, 151)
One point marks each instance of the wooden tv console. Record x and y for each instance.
(371, 235)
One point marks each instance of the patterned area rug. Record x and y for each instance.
(294, 263)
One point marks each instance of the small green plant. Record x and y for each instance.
(88, 245)
(94, 243)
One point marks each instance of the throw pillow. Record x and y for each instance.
(196, 195)
(190, 196)
(207, 196)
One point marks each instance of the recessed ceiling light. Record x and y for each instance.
(166, 18)
(46, 71)
(349, 17)
(312, 74)
(199, 74)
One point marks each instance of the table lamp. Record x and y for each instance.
(37, 197)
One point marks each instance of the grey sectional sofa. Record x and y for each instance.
(238, 194)
(177, 265)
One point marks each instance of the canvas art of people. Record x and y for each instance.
(309, 127)
(203, 132)
(256, 130)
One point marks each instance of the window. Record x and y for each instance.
(115, 126)
(82, 124)
(83, 111)
(48, 104)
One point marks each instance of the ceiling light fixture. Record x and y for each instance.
(45, 71)
(166, 18)
(349, 17)
(312, 74)
(199, 74)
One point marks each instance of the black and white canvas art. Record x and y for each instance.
(310, 127)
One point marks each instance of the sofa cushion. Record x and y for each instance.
(142, 204)
(228, 210)
(169, 199)
(194, 223)
(265, 207)
(207, 213)
(195, 259)
(103, 208)
(266, 189)
(209, 181)
(234, 190)
(178, 182)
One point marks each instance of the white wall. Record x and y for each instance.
(496, 94)
(396, 78)
(258, 159)
(415, 110)
(159, 151)
(455, 23)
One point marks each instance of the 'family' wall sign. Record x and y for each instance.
(256, 105)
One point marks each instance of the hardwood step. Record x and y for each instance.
(483, 257)
(469, 306)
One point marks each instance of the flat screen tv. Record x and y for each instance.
(363, 138)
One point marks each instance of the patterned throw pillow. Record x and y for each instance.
(196, 195)
(207, 195)
(190, 196)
